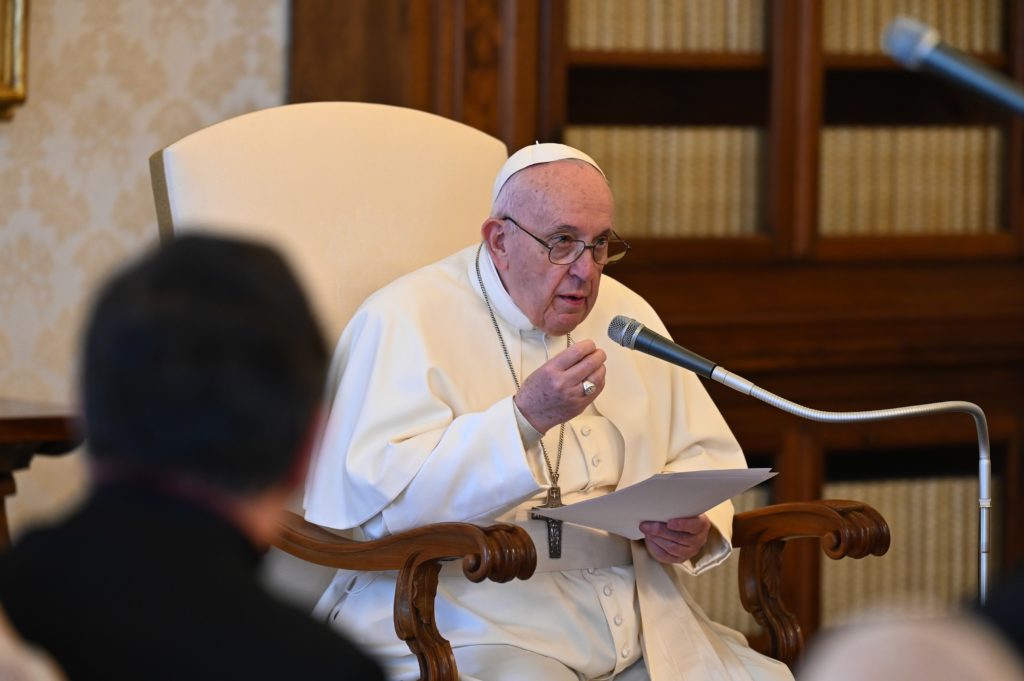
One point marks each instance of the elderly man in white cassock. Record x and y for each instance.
(474, 389)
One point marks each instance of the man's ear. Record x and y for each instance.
(495, 234)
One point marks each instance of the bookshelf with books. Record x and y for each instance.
(675, 91)
(947, 156)
(808, 79)
(840, 231)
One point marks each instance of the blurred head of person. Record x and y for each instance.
(202, 371)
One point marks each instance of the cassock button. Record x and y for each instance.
(591, 570)
(625, 653)
(596, 461)
(618, 620)
(585, 430)
(608, 590)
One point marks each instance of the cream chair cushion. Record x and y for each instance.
(354, 194)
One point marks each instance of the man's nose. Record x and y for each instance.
(585, 266)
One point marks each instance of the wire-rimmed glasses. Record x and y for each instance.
(563, 249)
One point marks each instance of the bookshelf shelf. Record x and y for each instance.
(638, 96)
(935, 247)
(939, 248)
(653, 252)
(662, 253)
(667, 60)
(882, 62)
(870, 97)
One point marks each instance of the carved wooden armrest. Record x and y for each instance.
(845, 528)
(498, 552)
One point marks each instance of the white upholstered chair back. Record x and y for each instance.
(354, 194)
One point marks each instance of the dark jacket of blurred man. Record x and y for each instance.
(202, 374)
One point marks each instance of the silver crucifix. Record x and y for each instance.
(554, 500)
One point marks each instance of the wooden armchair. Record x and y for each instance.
(505, 552)
(355, 195)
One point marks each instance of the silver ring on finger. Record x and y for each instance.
(588, 387)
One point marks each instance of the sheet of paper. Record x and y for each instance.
(660, 497)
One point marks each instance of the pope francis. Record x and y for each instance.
(474, 389)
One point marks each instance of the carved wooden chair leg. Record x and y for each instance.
(845, 528)
(415, 623)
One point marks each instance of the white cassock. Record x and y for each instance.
(422, 430)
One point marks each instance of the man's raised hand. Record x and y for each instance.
(553, 393)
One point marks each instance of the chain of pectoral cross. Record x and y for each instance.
(554, 499)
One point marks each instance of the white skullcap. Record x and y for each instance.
(534, 154)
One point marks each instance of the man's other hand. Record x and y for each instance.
(677, 540)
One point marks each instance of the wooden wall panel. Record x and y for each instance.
(474, 61)
(360, 50)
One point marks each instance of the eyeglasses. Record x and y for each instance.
(564, 250)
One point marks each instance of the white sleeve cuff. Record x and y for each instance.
(527, 433)
(715, 552)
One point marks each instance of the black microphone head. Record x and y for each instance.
(623, 330)
(908, 41)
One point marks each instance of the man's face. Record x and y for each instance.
(560, 198)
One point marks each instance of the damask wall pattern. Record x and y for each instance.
(109, 83)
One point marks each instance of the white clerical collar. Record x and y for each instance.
(501, 301)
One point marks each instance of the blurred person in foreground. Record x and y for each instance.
(982, 642)
(948, 648)
(22, 662)
(201, 384)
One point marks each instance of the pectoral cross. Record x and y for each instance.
(554, 500)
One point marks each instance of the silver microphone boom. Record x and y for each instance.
(633, 335)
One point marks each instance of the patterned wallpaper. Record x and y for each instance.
(109, 82)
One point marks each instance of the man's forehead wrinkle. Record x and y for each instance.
(559, 184)
(532, 193)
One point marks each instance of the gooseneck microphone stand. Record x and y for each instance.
(744, 386)
(634, 335)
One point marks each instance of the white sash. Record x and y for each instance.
(679, 640)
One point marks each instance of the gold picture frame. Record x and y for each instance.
(13, 53)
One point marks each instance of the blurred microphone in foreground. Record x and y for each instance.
(918, 47)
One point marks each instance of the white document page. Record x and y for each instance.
(659, 497)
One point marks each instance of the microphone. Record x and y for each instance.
(631, 334)
(918, 47)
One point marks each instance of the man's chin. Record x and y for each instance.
(564, 323)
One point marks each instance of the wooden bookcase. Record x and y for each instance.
(832, 322)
